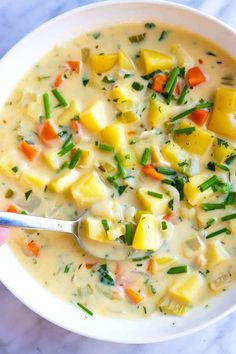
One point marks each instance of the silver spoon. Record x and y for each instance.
(108, 250)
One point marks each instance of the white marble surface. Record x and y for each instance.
(22, 331)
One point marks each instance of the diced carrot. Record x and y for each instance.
(177, 90)
(74, 65)
(150, 265)
(134, 296)
(199, 117)
(131, 132)
(12, 208)
(75, 126)
(159, 82)
(150, 171)
(33, 248)
(31, 151)
(167, 217)
(59, 80)
(195, 76)
(90, 265)
(48, 131)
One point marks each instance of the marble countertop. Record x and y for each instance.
(22, 331)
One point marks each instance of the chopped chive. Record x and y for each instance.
(171, 204)
(171, 80)
(178, 270)
(112, 181)
(141, 258)
(210, 222)
(191, 110)
(228, 217)
(60, 98)
(47, 106)
(170, 94)
(15, 169)
(230, 199)
(95, 35)
(153, 289)
(166, 171)
(145, 156)
(213, 206)
(121, 189)
(164, 225)
(222, 167)
(9, 193)
(104, 147)
(162, 35)
(108, 79)
(207, 184)
(75, 159)
(211, 166)
(90, 313)
(67, 268)
(219, 232)
(105, 224)
(67, 141)
(66, 149)
(137, 86)
(27, 194)
(182, 95)
(149, 25)
(155, 195)
(24, 212)
(230, 159)
(150, 75)
(186, 131)
(120, 166)
(63, 166)
(129, 233)
(137, 38)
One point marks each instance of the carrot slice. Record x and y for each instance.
(134, 296)
(150, 171)
(29, 150)
(12, 208)
(74, 65)
(167, 217)
(90, 265)
(75, 126)
(150, 265)
(159, 82)
(199, 117)
(59, 80)
(48, 131)
(33, 248)
(195, 76)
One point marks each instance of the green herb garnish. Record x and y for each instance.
(163, 225)
(137, 38)
(129, 233)
(162, 35)
(27, 194)
(47, 106)
(105, 224)
(219, 232)
(155, 195)
(75, 159)
(15, 169)
(137, 86)
(209, 183)
(228, 217)
(145, 156)
(166, 171)
(108, 79)
(182, 95)
(60, 98)
(212, 206)
(104, 147)
(186, 131)
(85, 309)
(191, 110)
(120, 166)
(106, 276)
(178, 270)
(149, 25)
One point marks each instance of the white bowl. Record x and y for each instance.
(14, 64)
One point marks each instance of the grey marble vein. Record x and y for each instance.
(22, 331)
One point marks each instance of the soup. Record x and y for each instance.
(137, 123)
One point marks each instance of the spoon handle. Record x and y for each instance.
(35, 222)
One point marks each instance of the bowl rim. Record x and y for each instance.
(4, 58)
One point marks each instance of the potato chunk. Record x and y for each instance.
(192, 192)
(222, 120)
(7, 164)
(52, 158)
(153, 60)
(160, 262)
(154, 205)
(94, 229)
(175, 155)
(63, 182)
(123, 97)
(216, 253)
(100, 63)
(147, 235)
(94, 117)
(35, 179)
(198, 142)
(158, 112)
(125, 62)
(114, 134)
(182, 57)
(88, 190)
(69, 113)
(222, 150)
(186, 289)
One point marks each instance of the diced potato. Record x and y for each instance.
(186, 289)
(147, 235)
(198, 142)
(171, 306)
(69, 113)
(182, 57)
(94, 117)
(94, 229)
(129, 117)
(222, 120)
(125, 62)
(35, 179)
(216, 253)
(175, 155)
(192, 192)
(158, 112)
(35, 108)
(168, 232)
(221, 275)
(114, 134)
(115, 232)
(88, 190)
(52, 158)
(152, 204)
(222, 150)
(86, 158)
(100, 63)
(160, 262)
(123, 97)
(7, 164)
(153, 60)
(139, 213)
(104, 209)
(63, 182)
(128, 157)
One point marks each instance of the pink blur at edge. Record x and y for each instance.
(4, 235)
